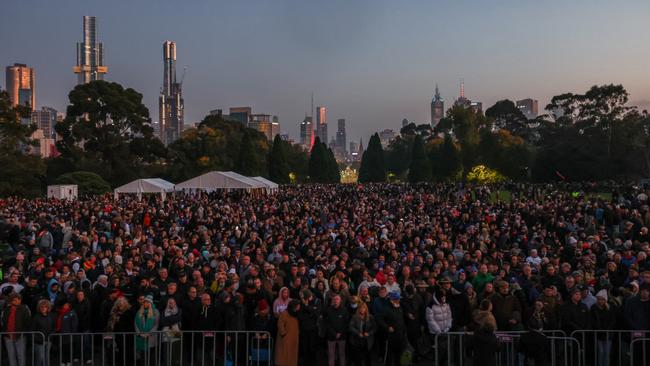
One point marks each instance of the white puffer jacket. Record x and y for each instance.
(439, 317)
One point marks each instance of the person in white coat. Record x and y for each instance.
(439, 314)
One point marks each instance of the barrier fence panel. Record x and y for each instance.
(608, 347)
(23, 348)
(455, 348)
(165, 348)
(639, 352)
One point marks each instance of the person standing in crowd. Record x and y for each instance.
(362, 336)
(336, 321)
(506, 309)
(146, 322)
(484, 346)
(603, 317)
(282, 302)
(15, 319)
(121, 322)
(534, 345)
(67, 323)
(43, 322)
(287, 345)
(309, 317)
(170, 324)
(574, 314)
(392, 322)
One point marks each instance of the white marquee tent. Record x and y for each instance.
(149, 185)
(215, 180)
(270, 186)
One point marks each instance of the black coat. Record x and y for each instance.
(84, 314)
(484, 346)
(45, 324)
(574, 317)
(336, 321)
(190, 310)
(535, 347)
(393, 317)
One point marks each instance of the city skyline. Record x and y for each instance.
(373, 67)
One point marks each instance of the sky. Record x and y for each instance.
(372, 62)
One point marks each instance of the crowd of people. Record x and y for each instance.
(350, 274)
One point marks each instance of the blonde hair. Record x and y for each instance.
(362, 306)
(45, 302)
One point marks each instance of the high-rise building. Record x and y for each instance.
(529, 107)
(241, 114)
(465, 102)
(262, 123)
(90, 54)
(45, 119)
(341, 138)
(21, 85)
(437, 108)
(306, 133)
(275, 127)
(171, 106)
(354, 150)
(386, 136)
(321, 123)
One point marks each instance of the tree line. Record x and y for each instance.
(107, 140)
(590, 136)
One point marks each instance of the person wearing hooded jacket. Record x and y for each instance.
(146, 321)
(438, 314)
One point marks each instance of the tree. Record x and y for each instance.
(505, 115)
(88, 183)
(318, 163)
(333, 171)
(279, 168)
(248, 162)
(420, 169)
(107, 128)
(216, 144)
(373, 167)
(445, 159)
(22, 172)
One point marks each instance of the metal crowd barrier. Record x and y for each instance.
(642, 356)
(165, 348)
(610, 347)
(23, 348)
(452, 348)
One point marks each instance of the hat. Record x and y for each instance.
(445, 279)
(394, 295)
(232, 271)
(262, 305)
(575, 289)
(577, 273)
(40, 260)
(602, 294)
(421, 284)
(149, 299)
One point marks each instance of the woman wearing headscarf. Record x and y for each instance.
(146, 321)
(170, 323)
(286, 345)
(282, 302)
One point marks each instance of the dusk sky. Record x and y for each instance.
(373, 62)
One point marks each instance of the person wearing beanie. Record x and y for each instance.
(391, 322)
(603, 317)
(264, 326)
(146, 321)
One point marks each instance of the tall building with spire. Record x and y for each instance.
(170, 103)
(437, 108)
(90, 54)
(465, 102)
(20, 81)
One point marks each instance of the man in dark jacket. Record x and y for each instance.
(336, 319)
(392, 322)
(574, 314)
(534, 345)
(506, 309)
(14, 320)
(636, 310)
(308, 316)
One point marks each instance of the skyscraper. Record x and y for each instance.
(21, 85)
(90, 54)
(437, 108)
(241, 114)
(529, 107)
(306, 133)
(45, 119)
(170, 103)
(341, 137)
(321, 123)
(275, 127)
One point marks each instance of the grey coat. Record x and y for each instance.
(357, 325)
